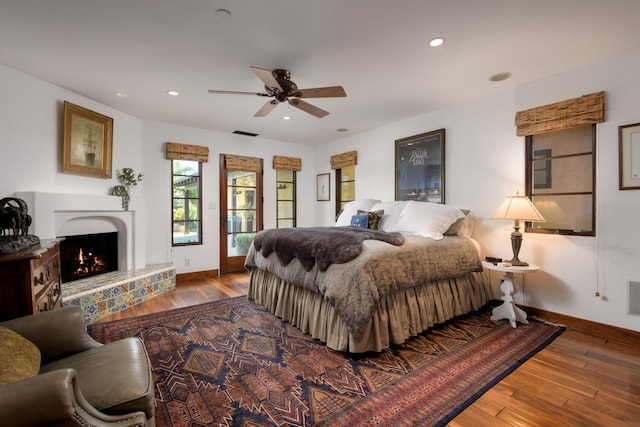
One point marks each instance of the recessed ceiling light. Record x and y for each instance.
(286, 118)
(173, 92)
(223, 13)
(121, 94)
(437, 41)
(500, 76)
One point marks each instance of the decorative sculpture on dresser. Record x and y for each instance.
(14, 226)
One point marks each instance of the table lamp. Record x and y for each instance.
(517, 208)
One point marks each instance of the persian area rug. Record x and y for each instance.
(232, 363)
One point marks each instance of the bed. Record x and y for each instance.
(417, 268)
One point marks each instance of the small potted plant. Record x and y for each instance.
(127, 178)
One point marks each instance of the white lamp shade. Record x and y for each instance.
(518, 208)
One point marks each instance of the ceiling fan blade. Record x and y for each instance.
(306, 107)
(266, 108)
(267, 77)
(320, 92)
(233, 92)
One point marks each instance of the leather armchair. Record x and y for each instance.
(81, 382)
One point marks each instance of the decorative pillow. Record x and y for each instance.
(427, 219)
(462, 226)
(351, 209)
(361, 221)
(19, 357)
(374, 218)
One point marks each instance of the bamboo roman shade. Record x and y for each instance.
(241, 163)
(585, 110)
(287, 163)
(175, 151)
(339, 161)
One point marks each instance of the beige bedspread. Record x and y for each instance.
(355, 288)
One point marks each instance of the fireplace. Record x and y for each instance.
(88, 255)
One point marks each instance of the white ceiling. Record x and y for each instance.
(375, 49)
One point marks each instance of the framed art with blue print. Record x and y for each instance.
(420, 167)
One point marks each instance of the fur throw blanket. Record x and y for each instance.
(319, 245)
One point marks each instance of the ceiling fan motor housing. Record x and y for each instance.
(282, 77)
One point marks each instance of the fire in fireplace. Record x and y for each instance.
(88, 255)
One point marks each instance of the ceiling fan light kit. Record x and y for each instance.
(278, 85)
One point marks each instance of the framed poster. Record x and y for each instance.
(87, 142)
(322, 187)
(420, 167)
(629, 156)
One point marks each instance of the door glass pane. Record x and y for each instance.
(241, 211)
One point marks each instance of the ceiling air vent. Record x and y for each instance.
(241, 132)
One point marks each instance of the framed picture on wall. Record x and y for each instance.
(629, 156)
(322, 187)
(87, 142)
(420, 167)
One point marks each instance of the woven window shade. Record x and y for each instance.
(585, 110)
(339, 161)
(241, 163)
(287, 163)
(175, 151)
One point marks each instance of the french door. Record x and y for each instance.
(240, 208)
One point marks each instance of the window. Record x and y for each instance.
(286, 198)
(186, 203)
(345, 186)
(560, 180)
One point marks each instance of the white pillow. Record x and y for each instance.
(427, 219)
(391, 216)
(351, 208)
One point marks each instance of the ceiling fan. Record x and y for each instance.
(278, 85)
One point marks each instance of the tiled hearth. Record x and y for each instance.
(100, 296)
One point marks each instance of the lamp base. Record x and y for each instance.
(517, 263)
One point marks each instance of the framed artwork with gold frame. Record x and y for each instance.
(87, 142)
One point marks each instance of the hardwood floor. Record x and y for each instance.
(589, 376)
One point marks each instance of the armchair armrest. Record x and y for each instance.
(57, 333)
(54, 398)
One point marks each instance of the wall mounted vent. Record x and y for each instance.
(241, 132)
(633, 297)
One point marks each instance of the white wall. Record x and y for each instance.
(31, 115)
(484, 162)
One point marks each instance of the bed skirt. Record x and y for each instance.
(397, 318)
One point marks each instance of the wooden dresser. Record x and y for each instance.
(30, 280)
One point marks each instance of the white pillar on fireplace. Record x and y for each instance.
(58, 214)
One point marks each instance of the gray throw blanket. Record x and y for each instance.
(319, 245)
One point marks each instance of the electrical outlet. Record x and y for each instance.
(187, 262)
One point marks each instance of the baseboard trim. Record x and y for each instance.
(198, 275)
(582, 325)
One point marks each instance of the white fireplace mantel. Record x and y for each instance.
(60, 214)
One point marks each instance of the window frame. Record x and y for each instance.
(185, 199)
(531, 191)
(339, 196)
(294, 199)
